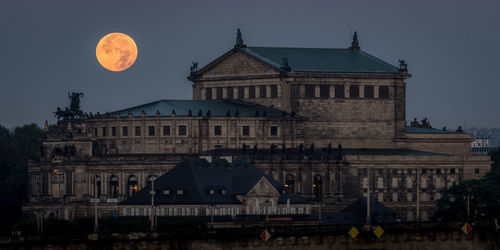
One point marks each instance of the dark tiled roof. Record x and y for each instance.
(217, 108)
(319, 60)
(415, 130)
(196, 177)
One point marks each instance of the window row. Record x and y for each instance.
(166, 131)
(114, 187)
(339, 91)
(264, 91)
(215, 211)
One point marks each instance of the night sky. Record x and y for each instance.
(47, 48)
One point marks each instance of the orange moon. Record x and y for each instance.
(116, 52)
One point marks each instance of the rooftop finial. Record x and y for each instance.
(194, 68)
(286, 66)
(355, 42)
(403, 66)
(239, 40)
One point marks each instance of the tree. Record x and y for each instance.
(16, 148)
(483, 194)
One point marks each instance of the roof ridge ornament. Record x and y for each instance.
(239, 40)
(286, 67)
(355, 42)
(193, 69)
(403, 66)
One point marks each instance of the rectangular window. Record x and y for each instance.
(246, 130)
(230, 93)
(151, 130)
(218, 92)
(383, 92)
(166, 130)
(208, 93)
(438, 171)
(274, 91)
(369, 91)
(113, 131)
(309, 93)
(324, 91)
(251, 92)
(476, 170)
(241, 92)
(452, 171)
(217, 130)
(273, 131)
(104, 130)
(182, 130)
(354, 91)
(339, 91)
(263, 91)
(95, 132)
(137, 130)
(125, 131)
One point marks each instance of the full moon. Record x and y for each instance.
(116, 52)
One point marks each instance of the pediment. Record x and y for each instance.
(237, 63)
(263, 188)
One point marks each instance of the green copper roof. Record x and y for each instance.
(217, 108)
(316, 60)
(414, 130)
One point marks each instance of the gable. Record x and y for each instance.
(263, 188)
(238, 64)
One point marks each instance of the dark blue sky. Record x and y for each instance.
(47, 48)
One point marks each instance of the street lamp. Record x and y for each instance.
(152, 192)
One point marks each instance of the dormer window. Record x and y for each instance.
(166, 192)
(212, 191)
(223, 191)
(180, 191)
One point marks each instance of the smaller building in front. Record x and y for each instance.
(196, 187)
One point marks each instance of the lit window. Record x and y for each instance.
(180, 191)
(166, 192)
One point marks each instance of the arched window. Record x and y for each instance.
(113, 186)
(289, 182)
(318, 186)
(97, 188)
(132, 185)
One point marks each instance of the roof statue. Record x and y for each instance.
(239, 40)
(355, 42)
(286, 66)
(194, 68)
(74, 111)
(403, 66)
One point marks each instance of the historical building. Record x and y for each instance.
(196, 187)
(328, 124)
